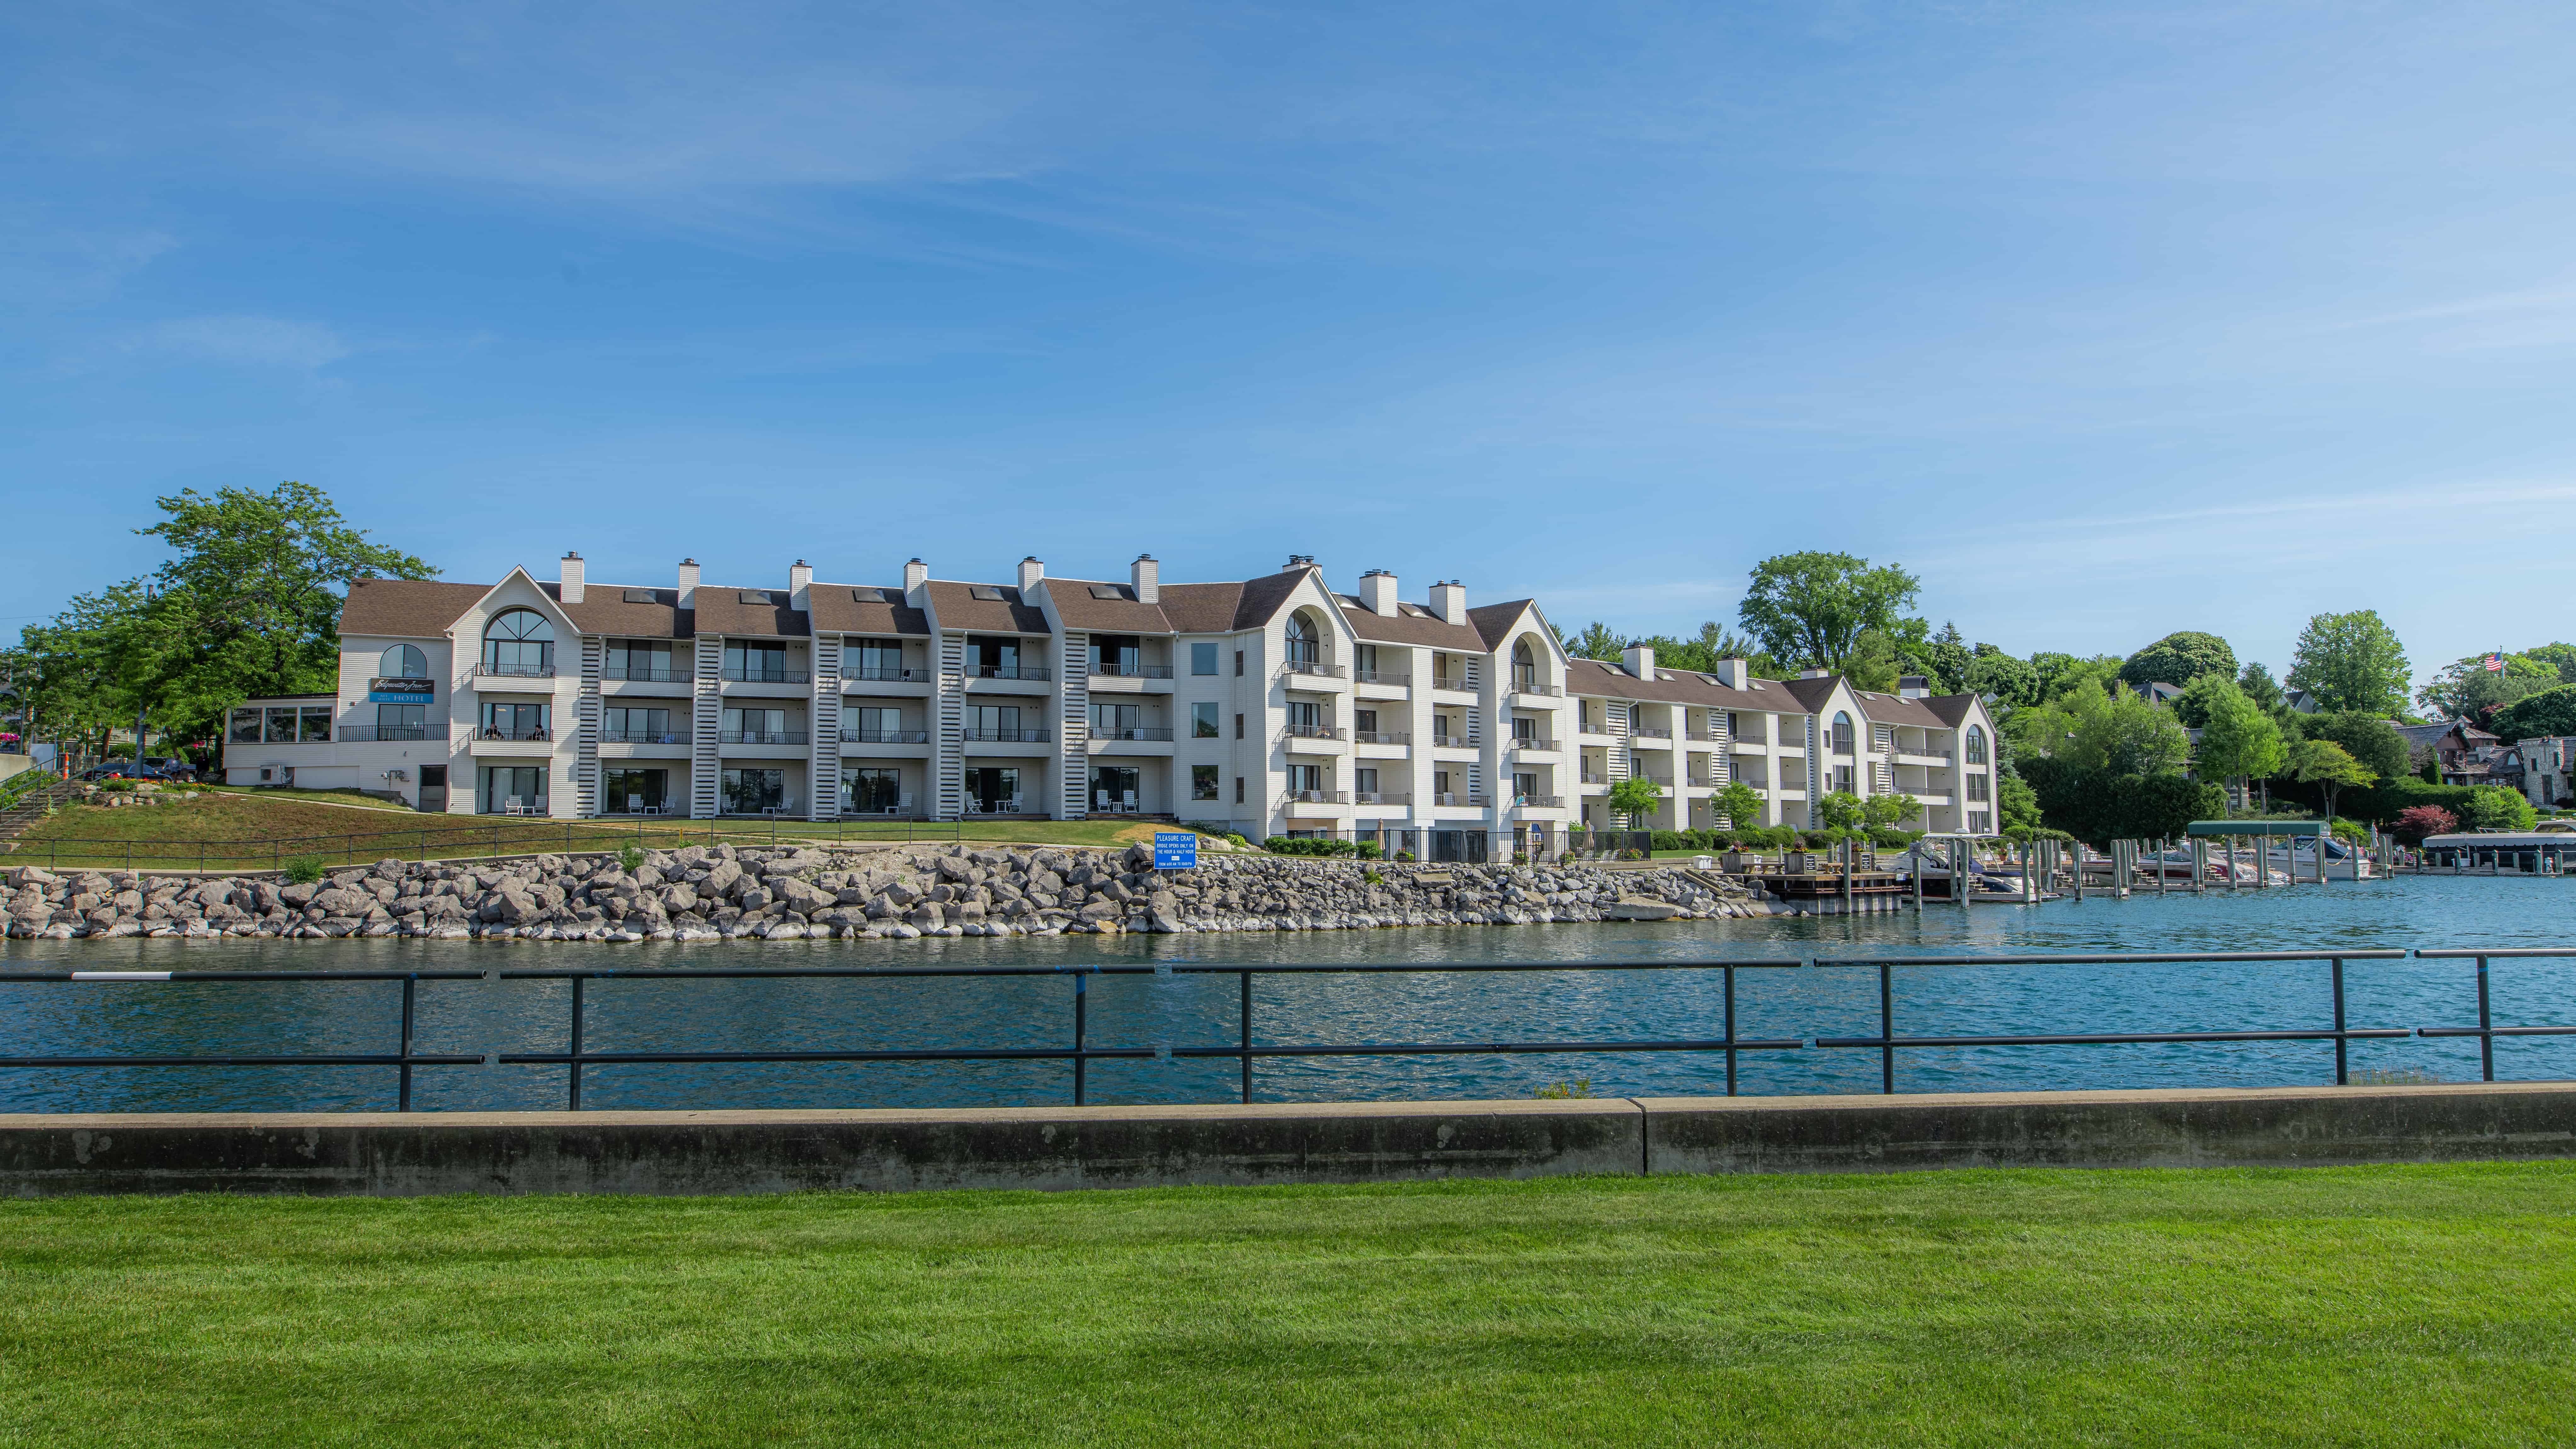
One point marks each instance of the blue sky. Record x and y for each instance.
(2107, 320)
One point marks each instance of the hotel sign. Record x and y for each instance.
(402, 691)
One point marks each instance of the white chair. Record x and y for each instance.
(510, 805)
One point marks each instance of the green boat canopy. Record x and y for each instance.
(2295, 828)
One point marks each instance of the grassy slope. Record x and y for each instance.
(2378, 1305)
(330, 828)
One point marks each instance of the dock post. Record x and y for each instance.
(1847, 874)
(2263, 861)
(1916, 876)
(2199, 866)
(2075, 870)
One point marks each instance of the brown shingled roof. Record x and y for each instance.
(1077, 602)
(604, 609)
(1677, 686)
(958, 608)
(1404, 626)
(1935, 712)
(406, 608)
(1202, 608)
(837, 610)
(1493, 621)
(722, 611)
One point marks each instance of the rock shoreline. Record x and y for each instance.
(724, 892)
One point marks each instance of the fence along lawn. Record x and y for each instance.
(2313, 1306)
(220, 830)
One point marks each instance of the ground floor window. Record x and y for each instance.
(1396, 842)
(1203, 782)
(993, 789)
(750, 792)
(633, 792)
(510, 789)
(1116, 789)
(1464, 846)
(872, 790)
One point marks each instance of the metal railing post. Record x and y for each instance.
(1081, 1003)
(2342, 1044)
(403, 1100)
(1886, 1030)
(572, 1069)
(1244, 1018)
(2486, 1028)
(1730, 1031)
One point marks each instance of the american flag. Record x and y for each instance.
(2495, 662)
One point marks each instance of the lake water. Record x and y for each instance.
(487, 1016)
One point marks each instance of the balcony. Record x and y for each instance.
(1149, 734)
(1379, 797)
(1650, 732)
(1532, 686)
(1531, 742)
(886, 674)
(1590, 778)
(1013, 737)
(523, 736)
(1705, 782)
(1313, 732)
(1597, 731)
(363, 734)
(1538, 802)
(1457, 682)
(1382, 737)
(1381, 676)
(1126, 671)
(761, 737)
(744, 674)
(1452, 742)
(885, 737)
(644, 674)
(1318, 797)
(1031, 672)
(642, 737)
(1311, 669)
(1472, 802)
(514, 671)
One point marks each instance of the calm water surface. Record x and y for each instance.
(481, 1017)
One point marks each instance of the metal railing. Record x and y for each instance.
(1244, 1050)
(1008, 671)
(645, 674)
(367, 734)
(1452, 681)
(1382, 737)
(1312, 732)
(1887, 1043)
(1312, 668)
(1649, 732)
(1133, 671)
(1477, 802)
(1016, 737)
(1538, 802)
(886, 674)
(760, 737)
(642, 737)
(744, 674)
(514, 671)
(1528, 742)
(1381, 676)
(885, 737)
(1318, 797)
(1380, 797)
(1149, 734)
(513, 734)
(1532, 686)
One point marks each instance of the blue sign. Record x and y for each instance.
(386, 689)
(1176, 850)
(387, 696)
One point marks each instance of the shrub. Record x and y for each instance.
(1565, 858)
(1283, 845)
(631, 858)
(2498, 807)
(1404, 855)
(303, 870)
(1561, 1091)
(2417, 821)
(1371, 850)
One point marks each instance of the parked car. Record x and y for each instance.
(176, 770)
(120, 770)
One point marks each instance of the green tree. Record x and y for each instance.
(2351, 661)
(2178, 659)
(2331, 768)
(1595, 642)
(1872, 663)
(2365, 736)
(1810, 608)
(1881, 811)
(2238, 739)
(1990, 671)
(1841, 810)
(2259, 686)
(2466, 687)
(2123, 734)
(2016, 804)
(2497, 807)
(2561, 657)
(1740, 804)
(2549, 712)
(1635, 798)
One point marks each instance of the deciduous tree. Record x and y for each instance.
(2178, 659)
(2238, 740)
(2351, 661)
(1810, 608)
(1635, 798)
(2331, 768)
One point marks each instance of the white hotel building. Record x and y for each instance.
(1270, 706)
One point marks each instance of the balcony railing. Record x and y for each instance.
(886, 674)
(1532, 686)
(1016, 737)
(1705, 782)
(745, 674)
(1452, 742)
(361, 734)
(885, 737)
(1312, 669)
(1538, 802)
(1382, 737)
(1381, 676)
(1531, 742)
(1590, 778)
(645, 674)
(1650, 732)
(1147, 733)
(1313, 732)
(761, 737)
(1477, 802)
(514, 671)
(1379, 797)
(1133, 671)
(500, 732)
(1319, 797)
(642, 737)
(1021, 671)
(1451, 681)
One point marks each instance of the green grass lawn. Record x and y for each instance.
(2330, 1306)
(257, 829)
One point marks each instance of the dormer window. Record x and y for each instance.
(757, 596)
(986, 592)
(639, 596)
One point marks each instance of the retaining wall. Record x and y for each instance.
(390, 1154)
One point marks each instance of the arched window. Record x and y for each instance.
(1976, 745)
(1304, 646)
(1524, 666)
(403, 661)
(519, 641)
(1842, 733)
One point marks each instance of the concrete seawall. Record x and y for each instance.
(387, 1154)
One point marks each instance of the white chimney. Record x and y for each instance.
(1148, 579)
(1734, 673)
(916, 582)
(1639, 660)
(1030, 572)
(688, 583)
(800, 584)
(1297, 561)
(1449, 601)
(1814, 673)
(1377, 590)
(570, 590)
